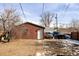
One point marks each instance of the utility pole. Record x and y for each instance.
(56, 22)
(42, 11)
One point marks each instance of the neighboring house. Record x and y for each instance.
(28, 31)
(65, 30)
(48, 29)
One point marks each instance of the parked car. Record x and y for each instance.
(55, 33)
(59, 35)
(67, 37)
(48, 35)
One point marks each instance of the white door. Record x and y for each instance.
(40, 34)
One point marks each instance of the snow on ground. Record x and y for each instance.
(62, 47)
(72, 41)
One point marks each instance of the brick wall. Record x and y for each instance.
(25, 31)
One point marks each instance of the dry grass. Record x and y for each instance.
(21, 47)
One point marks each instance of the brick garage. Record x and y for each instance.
(28, 31)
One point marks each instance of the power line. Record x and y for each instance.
(67, 7)
(22, 10)
(43, 8)
(4, 6)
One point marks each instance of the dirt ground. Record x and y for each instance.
(24, 47)
(20, 47)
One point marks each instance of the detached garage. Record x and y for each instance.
(28, 31)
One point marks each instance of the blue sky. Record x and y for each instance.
(33, 11)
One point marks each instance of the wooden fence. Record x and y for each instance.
(75, 35)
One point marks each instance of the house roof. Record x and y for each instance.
(33, 24)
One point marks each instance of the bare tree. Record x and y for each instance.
(75, 24)
(46, 19)
(8, 19)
